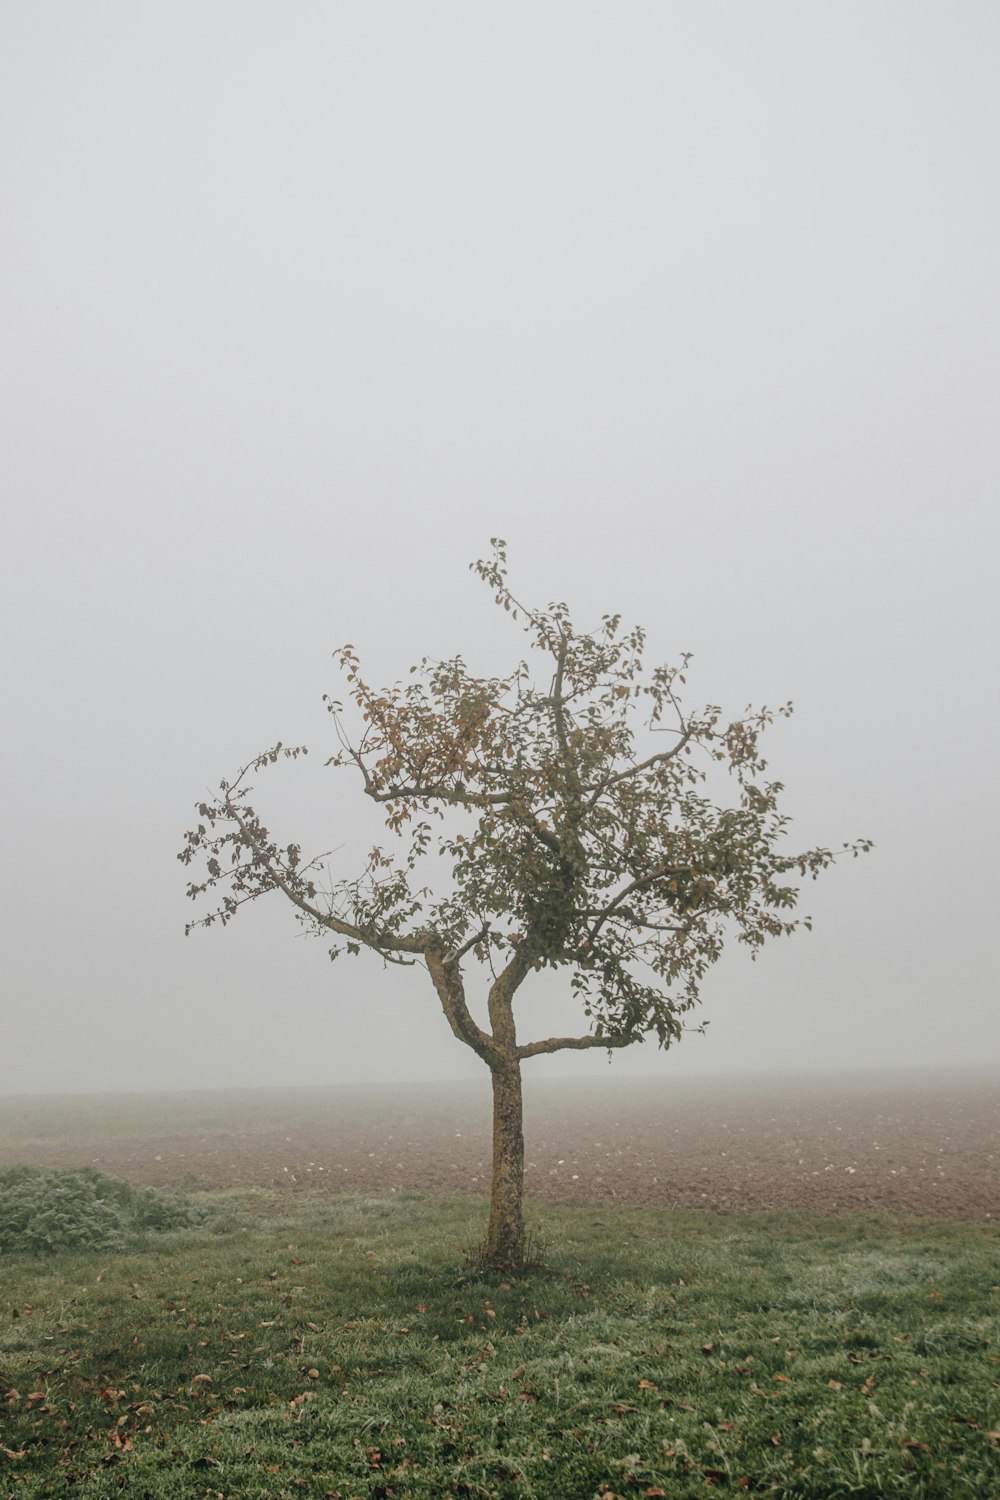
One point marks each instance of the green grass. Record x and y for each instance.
(336, 1349)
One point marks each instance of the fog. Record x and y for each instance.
(695, 304)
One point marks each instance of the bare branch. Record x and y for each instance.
(558, 703)
(383, 943)
(477, 937)
(602, 914)
(434, 792)
(576, 1043)
(645, 765)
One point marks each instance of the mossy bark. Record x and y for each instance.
(505, 1237)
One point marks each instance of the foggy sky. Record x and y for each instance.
(696, 305)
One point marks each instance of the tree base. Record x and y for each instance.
(489, 1261)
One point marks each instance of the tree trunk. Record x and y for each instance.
(505, 1236)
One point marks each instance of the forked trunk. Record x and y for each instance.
(505, 1237)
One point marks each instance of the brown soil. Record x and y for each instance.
(890, 1143)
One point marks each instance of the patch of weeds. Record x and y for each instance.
(49, 1209)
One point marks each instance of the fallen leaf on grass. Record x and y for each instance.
(919, 1447)
(833, 1385)
(648, 1385)
(15, 1453)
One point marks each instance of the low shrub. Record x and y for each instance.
(53, 1208)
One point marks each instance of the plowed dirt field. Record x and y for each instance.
(890, 1143)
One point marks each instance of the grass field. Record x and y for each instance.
(333, 1347)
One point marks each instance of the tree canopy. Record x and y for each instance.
(572, 847)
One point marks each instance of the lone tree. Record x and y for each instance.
(580, 834)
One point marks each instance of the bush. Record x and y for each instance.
(51, 1208)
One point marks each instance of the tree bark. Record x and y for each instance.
(505, 1237)
(504, 1248)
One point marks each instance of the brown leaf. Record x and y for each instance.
(14, 1453)
(920, 1447)
(648, 1385)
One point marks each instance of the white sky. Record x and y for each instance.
(696, 304)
